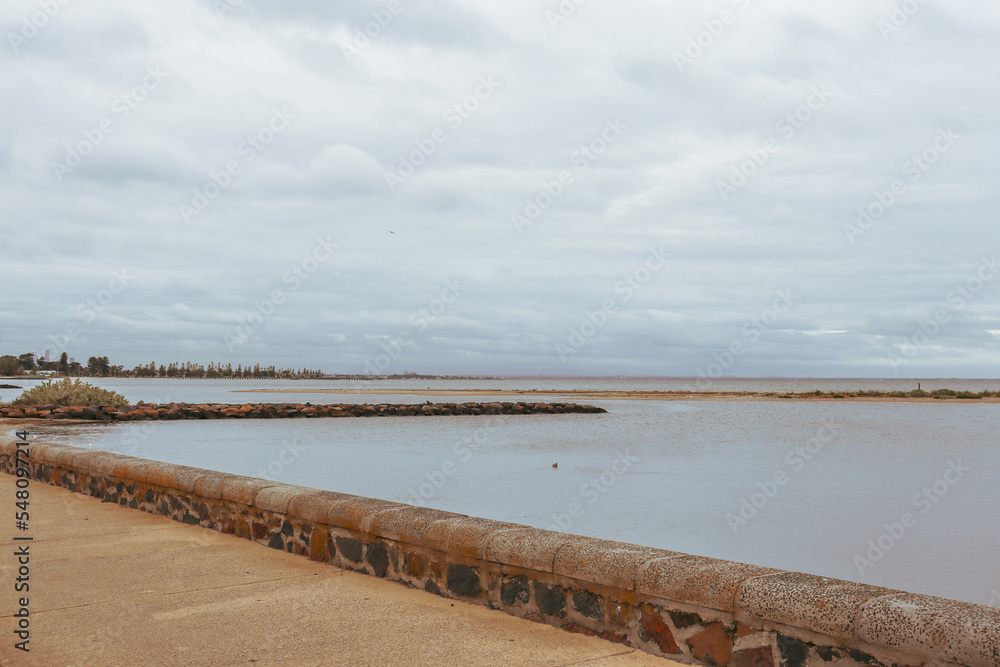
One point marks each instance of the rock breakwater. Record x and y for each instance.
(174, 411)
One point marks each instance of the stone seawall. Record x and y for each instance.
(697, 610)
(171, 411)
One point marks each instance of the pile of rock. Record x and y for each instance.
(145, 411)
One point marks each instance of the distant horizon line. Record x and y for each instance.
(504, 376)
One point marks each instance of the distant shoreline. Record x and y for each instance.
(637, 395)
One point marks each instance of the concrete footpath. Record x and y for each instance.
(114, 586)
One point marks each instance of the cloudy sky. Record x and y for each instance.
(739, 187)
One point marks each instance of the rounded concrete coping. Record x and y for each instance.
(923, 626)
(50, 453)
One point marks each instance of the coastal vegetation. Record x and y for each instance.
(69, 392)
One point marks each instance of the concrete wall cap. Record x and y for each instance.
(243, 489)
(166, 475)
(357, 513)
(210, 484)
(827, 606)
(80, 459)
(132, 469)
(945, 630)
(530, 548)
(464, 535)
(705, 582)
(93, 462)
(49, 453)
(278, 498)
(407, 524)
(185, 477)
(606, 562)
(314, 505)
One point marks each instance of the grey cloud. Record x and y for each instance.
(324, 176)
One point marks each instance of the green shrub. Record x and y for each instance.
(966, 394)
(944, 392)
(68, 392)
(838, 396)
(918, 393)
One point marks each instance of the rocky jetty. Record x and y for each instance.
(147, 411)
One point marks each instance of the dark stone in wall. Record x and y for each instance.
(463, 580)
(190, 519)
(378, 558)
(350, 548)
(684, 620)
(276, 542)
(793, 651)
(514, 589)
(863, 657)
(432, 587)
(827, 653)
(289, 530)
(551, 600)
(588, 604)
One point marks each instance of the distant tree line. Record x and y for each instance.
(27, 364)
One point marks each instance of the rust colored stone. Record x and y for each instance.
(318, 545)
(652, 628)
(713, 645)
(259, 530)
(619, 612)
(754, 657)
(607, 635)
(414, 564)
(242, 529)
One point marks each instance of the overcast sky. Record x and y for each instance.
(525, 187)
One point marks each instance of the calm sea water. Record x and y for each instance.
(904, 495)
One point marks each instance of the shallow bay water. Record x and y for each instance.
(904, 495)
